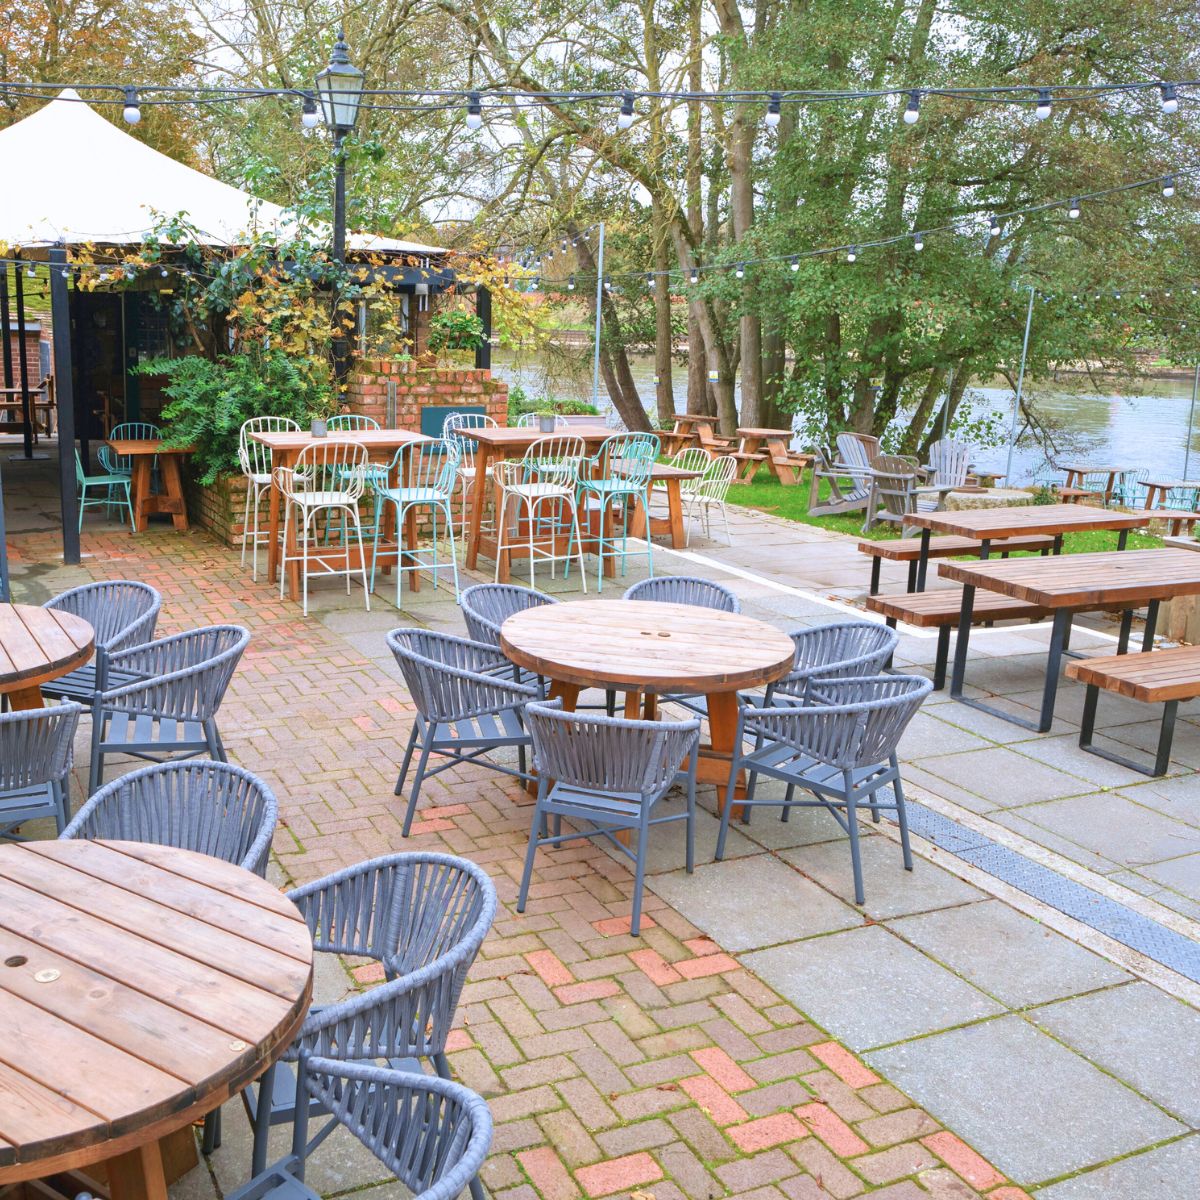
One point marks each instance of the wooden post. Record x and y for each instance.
(64, 393)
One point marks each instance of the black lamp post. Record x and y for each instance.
(340, 88)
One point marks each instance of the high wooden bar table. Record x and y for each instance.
(1113, 581)
(141, 454)
(141, 986)
(986, 525)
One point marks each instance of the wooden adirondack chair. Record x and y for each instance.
(948, 462)
(856, 454)
(894, 486)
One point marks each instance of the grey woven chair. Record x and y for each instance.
(213, 808)
(171, 710)
(839, 648)
(35, 763)
(423, 917)
(608, 774)
(433, 1135)
(486, 606)
(466, 708)
(839, 743)
(123, 613)
(684, 589)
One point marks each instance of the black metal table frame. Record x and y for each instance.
(985, 545)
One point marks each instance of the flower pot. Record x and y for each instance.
(547, 424)
(319, 428)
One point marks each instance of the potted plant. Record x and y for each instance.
(547, 420)
(454, 329)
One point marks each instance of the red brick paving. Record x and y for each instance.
(612, 1064)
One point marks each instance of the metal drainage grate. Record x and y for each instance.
(1097, 911)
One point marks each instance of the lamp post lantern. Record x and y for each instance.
(339, 89)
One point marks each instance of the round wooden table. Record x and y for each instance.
(645, 648)
(37, 645)
(140, 987)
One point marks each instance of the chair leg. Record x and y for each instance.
(408, 753)
(129, 505)
(422, 762)
(245, 529)
(213, 737)
(453, 551)
(902, 816)
(852, 829)
(727, 808)
(362, 558)
(531, 849)
(639, 877)
(96, 766)
(500, 531)
(690, 861)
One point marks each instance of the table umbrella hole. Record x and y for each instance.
(16, 960)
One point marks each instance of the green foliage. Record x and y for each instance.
(1044, 495)
(455, 329)
(520, 403)
(210, 399)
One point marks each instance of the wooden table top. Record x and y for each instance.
(139, 987)
(785, 434)
(1151, 678)
(513, 437)
(40, 643)
(128, 448)
(376, 439)
(695, 419)
(667, 471)
(981, 523)
(647, 646)
(1085, 580)
(1090, 469)
(1171, 483)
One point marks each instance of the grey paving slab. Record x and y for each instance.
(927, 735)
(1167, 1172)
(1062, 751)
(868, 988)
(1031, 1106)
(891, 891)
(1115, 827)
(1143, 1036)
(751, 902)
(1011, 956)
(1003, 777)
(1039, 835)
(1177, 797)
(1179, 874)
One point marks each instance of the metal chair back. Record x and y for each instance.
(36, 746)
(255, 458)
(685, 589)
(628, 458)
(332, 469)
(718, 477)
(458, 421)
(131, 431)
(426, 471)
(486, 606)
(350, 423)
(532, 420)
(213, 808)
(554, 459)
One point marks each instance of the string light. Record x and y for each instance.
(571, 284)
(626, 116)
(1043, 105)
(794, 262)
(913, 112)
(607, 284)
(1073, 210)
(994, 227)
(132, 111)
(309, 117)
(774, 110)
(852, 254)
(1170, 98)
(695, 275)
(740, 272)
(1168, 189)
(918, 241)
(474, 111)
(650, 280)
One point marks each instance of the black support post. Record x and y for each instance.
(64, 393)
(26, 399)
(483, 310)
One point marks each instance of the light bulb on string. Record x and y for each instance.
(852, 254)
(994, 227)
(607, 284)
(29, 271)
(774, 110)
(1170, 98)
(625, 119)
(563, 247)
(533, 287)
(132, 111)
(309, 117)
(694, 275)
(1073, 210)
(740, 271)
(163, 272)
(650, 280)
(1168, 186)
(474, 111)
(918, 241)
(571, 284)
(795, 262)
(1043, 105)
(913, 112)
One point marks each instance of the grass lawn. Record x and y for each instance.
(768, 495)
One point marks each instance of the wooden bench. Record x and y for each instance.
(1176, 518)
(1073, 495)
(1160, 677)
(748, 465)
(940, 610)
(909, 550)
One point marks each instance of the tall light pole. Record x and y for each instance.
(340, 88)
(1012, 432)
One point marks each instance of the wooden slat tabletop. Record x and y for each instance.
(517, 439)
(373, 439)
(1031, 518)
(40, 643)
(647, 646)
(1154, 677)
(1086, 580)
(131, 449)
(140, 986)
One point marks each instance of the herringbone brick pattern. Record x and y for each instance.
(653, 1066)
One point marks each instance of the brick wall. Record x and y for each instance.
(33, 364)
(421, 387)
(219, 506)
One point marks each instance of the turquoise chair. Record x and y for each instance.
(619, 480)
(110, 484)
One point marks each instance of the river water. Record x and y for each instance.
(1146, 426)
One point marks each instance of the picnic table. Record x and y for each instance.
(37, 645)
(12, 400)
(769, 446)
(985, 525)
(496, 443)
(142, 986)
(1112, 581)
(381, 445)
(672, 525)
(142, 452)
(1077, 472)
(647, 649)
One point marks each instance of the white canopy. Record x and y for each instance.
(75, 177)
